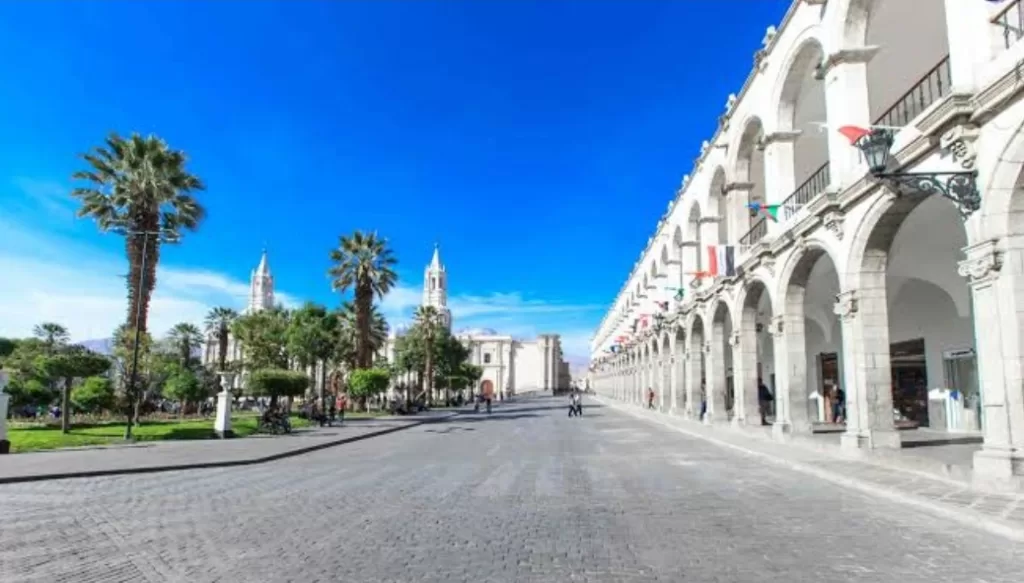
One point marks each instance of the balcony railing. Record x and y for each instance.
(755, 234)
(1010, 22)
(933, 86)
(812, 187)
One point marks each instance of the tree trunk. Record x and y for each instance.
(65, 406)
(430, 371)
(222, 349)
(134, 245)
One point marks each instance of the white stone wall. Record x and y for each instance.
(852, 265)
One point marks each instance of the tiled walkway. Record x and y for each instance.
(1002, 513)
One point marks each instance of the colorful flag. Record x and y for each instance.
(853, 133)
(769, 211)
(721, 260)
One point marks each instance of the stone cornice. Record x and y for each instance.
(769, 139)
(848, 56)
(990, 100)
(740, 186)
(708, 219)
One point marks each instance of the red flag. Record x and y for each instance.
(853, 133)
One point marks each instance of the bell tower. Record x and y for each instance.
(261, 287)
(435, 287)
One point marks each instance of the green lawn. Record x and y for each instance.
(47, 437)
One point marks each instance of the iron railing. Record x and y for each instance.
(1010, 22)
(932, 87)
(755, 234)
(815, 184)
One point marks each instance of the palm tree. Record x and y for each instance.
(218, 323)
(52, 334)
(185, 337)
(364, 264)
(139, 188)
(428, 322)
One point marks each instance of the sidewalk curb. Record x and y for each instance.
(967, 518)
(220, 464)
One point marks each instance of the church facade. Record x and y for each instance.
(510, 365)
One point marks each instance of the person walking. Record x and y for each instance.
(342, 403)
(764, 400)
(650, 398)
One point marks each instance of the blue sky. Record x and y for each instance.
(537, 141)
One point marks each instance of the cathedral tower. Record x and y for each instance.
(435, 288)
(261, 287)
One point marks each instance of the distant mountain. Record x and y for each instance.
(101, 345)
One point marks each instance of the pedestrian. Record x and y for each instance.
(342, 403)
(764, 400)
(650, 398)
(838, 404)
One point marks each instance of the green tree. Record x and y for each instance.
(93, 395)
(367, 382)
(140, 188)
(311, 335)
(7, 346)
(451, 354)
(219, 322)
(185, 338)
(264, 338)
(124, 341)
(428, 325)
(364, 264)
(186, 387)
(52, 334)
(276, 383)
(74, 362)
(29, 392)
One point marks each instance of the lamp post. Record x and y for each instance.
(5, 445)
(222, 422)
(959, 187)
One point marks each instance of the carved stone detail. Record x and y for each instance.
(959, 143)
(777, 326)
(983, 263)
(846, 305)
(768, 263)
(707, 347)
(833, 221)
(734, 339)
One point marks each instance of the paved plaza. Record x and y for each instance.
(525, 494)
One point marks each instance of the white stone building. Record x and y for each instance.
(891, 292)
(509, 365)
(261, 297)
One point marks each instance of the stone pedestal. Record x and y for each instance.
(5, 444)
(222, 422)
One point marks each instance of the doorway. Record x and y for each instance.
(909, 383)
(487, 389)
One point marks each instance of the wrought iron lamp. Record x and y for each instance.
(959, 187)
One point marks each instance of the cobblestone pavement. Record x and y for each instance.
(523, 495)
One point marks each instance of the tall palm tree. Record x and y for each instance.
(364, 264)
(218, 323)
(139, 187)
(185, 337)
(348, 329)
(428, 323)
(52, 334)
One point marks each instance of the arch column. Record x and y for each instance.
(744, 359)
(666, 380)
(998, 323)
(736, 195)
(692, 374)
(791, 368)
(673, 382)
(868, 375)
(968, 26)
(715, 375)
(846, 103)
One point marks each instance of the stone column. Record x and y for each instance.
(846, 104)
(973, 40)
(737, 195)
(779, 174)
(692, 374)
(867, 372)
(744, 375)
(673, 383)
(715, 350)
(998, 321)
(5, 399)
(791, 369)
(666, 380)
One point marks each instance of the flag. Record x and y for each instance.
(769, 211)
(663, 306)
(679, 295)
(721, 260)
(853, 133)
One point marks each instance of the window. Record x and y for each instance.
(487, 359)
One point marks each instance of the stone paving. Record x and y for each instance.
(523, 495)
(160, 454)
(1001, 511)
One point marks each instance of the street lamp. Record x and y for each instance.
(959, 187)
(5, 445)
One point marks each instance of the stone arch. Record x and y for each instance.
(1002, 181)
(691, 224)
(748, 170)
(719, 363)
(755, 353)
(718, 204)
(890, 226)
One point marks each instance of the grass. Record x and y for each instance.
(36, 438)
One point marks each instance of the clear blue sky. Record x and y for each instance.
(538, 141)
